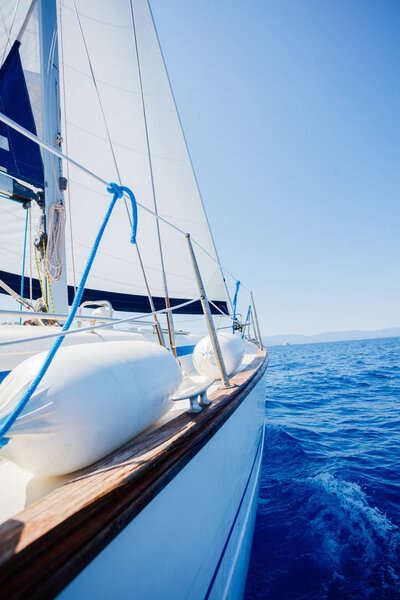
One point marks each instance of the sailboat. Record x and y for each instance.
(130, 448)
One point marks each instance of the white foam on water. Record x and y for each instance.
(349, 530)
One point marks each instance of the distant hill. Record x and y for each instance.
(331, 336)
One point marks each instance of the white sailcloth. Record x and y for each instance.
(109, 40)
(109, 55)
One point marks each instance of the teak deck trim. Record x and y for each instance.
(46, 545)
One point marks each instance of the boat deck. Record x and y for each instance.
(98, 502)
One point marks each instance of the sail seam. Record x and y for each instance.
(169, 315)
(130, 219)
(46, 146)
(190, 159)
(8, 421)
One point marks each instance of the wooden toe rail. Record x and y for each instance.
(46, 545)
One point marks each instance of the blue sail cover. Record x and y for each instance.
(19, 156)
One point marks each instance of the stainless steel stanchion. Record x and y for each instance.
(207, 313)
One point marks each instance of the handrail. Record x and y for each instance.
(26, 394)
(117, 193)
(48, 336)
(55, 316)
(99, 303)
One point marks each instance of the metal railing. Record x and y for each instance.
(139, 318)
(106, 322)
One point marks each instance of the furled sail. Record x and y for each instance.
(117, 107)
(118, 119)
(19, 156)
(20, 99)
(20, 90)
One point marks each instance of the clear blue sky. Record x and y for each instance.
(291, 111)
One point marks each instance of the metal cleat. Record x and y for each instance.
(195, 392)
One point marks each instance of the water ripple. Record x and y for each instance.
(329, 510)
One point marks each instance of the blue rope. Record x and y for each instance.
(246, 321)
(118, 192)
(234, 305)
(8, 198)
(23, 263)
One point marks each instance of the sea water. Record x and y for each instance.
(328, 521)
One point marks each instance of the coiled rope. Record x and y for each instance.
(55, 242)
(118, 192)
(40, 281)
(47, 276)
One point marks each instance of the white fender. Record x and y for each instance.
(232, 349)
(93, 399)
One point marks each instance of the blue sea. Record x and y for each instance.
(328, 521)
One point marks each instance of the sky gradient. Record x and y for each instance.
(291, 112)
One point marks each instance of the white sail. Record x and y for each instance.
(118, 119)
(13, 14)
(12, 17)
(104, 33)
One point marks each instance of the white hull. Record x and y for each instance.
(193, 539)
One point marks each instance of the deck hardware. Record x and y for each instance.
(204, 400)
(259, 339)
(207, 313)
(194, 406)
(195, 392)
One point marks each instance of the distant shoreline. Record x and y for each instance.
(331, 336)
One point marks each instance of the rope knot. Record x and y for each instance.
(116, 189)
(119, 191)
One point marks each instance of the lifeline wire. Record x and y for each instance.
(190, 160)
(109, 322)
(46, 146)
(170, 323)
(150, 297)
(118, 192)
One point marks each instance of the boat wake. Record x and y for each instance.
(318, 535)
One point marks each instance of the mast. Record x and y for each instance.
(52, 134)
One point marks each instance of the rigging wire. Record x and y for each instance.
(216, 258)
(8, 42)
(64, 333)
(97, 92)
(66, 147)
(219, 309)
(170, 323)
(117, 192)
(149, 295)
(46, 146)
